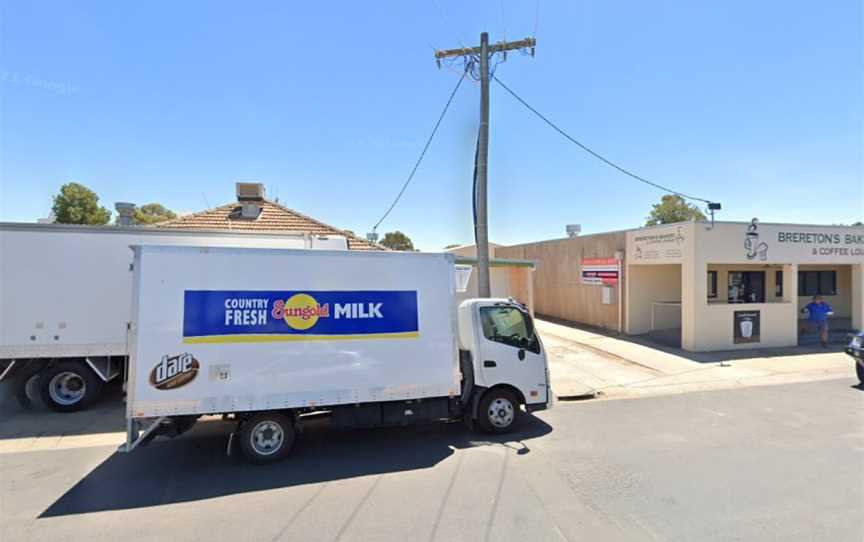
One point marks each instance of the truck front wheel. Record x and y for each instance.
(69, 386)
(498, 411)
(266, 437)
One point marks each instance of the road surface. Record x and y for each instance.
(761, 463)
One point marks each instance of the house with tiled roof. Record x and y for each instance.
(252, 212)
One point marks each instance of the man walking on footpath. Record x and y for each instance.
(817, 318)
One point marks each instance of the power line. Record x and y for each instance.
(423, 153)
(591, 152)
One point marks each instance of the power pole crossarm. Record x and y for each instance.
(500, 47)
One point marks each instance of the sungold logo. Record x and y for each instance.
(174, 371)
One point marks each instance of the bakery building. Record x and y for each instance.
(703, 286)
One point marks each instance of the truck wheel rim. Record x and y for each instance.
(266, 438)
(501, 412)
(67, 388)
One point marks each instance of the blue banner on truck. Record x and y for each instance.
(215, 316)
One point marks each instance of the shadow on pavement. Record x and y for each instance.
(195, 467)
(106, 415)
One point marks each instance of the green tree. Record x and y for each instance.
(77, 204)
(152, 213)
(396, 240)
(671, 209)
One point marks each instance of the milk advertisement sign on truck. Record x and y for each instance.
(261, 316)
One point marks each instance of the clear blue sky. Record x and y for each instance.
(759, 105)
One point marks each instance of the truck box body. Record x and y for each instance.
(66, 291)
(230, 330)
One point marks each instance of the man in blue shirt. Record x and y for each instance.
(817, 317)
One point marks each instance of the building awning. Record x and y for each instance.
(498, 262)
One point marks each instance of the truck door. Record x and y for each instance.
(510, 351)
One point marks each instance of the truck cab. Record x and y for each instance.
(504, 359)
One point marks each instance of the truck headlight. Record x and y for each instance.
(856, 342)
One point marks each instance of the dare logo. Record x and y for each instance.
(174, 371)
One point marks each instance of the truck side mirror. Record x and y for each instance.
(521, 354)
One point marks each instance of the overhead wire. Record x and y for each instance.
(425, 148)
(592, 152)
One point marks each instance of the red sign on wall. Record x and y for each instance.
(600, 271)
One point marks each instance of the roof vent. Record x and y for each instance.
(249, 195)
(250, 192)
(125, 213)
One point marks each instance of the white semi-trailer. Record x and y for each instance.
(266, 337)
(65, 302)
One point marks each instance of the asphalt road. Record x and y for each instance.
(760, 463)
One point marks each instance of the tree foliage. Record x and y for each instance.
(152, 213)
(671, 209)
(396, 240)
(77, 204)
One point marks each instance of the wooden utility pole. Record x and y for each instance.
(481, 224)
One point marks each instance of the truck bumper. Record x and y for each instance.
(550, 402)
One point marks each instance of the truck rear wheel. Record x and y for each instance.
(499, 411)
(69, 386)
(267, 437)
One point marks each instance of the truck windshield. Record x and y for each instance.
(507, 325)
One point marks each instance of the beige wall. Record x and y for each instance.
(857, 272)
(714, 326)
(648, 284)
(558, 288)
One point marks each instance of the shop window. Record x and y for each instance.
(746, 287)
(778, 284)
(712, 284)
(812, 283)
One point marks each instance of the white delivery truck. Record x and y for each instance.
(65, 302)
(266, 337)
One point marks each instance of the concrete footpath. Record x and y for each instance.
(587, 363)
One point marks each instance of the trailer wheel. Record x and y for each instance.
(499, 411)
(69, 386)
(267, 437)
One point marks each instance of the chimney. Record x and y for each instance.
(125, 212)
(250, 196)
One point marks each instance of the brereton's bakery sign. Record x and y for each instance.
(762, 242)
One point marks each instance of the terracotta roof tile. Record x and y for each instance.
(273, 217)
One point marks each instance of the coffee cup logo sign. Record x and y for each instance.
(756, 250)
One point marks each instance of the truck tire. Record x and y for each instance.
(69, 386)
(499, 411)
(267, 437)
(859, 370)
(26, 384)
